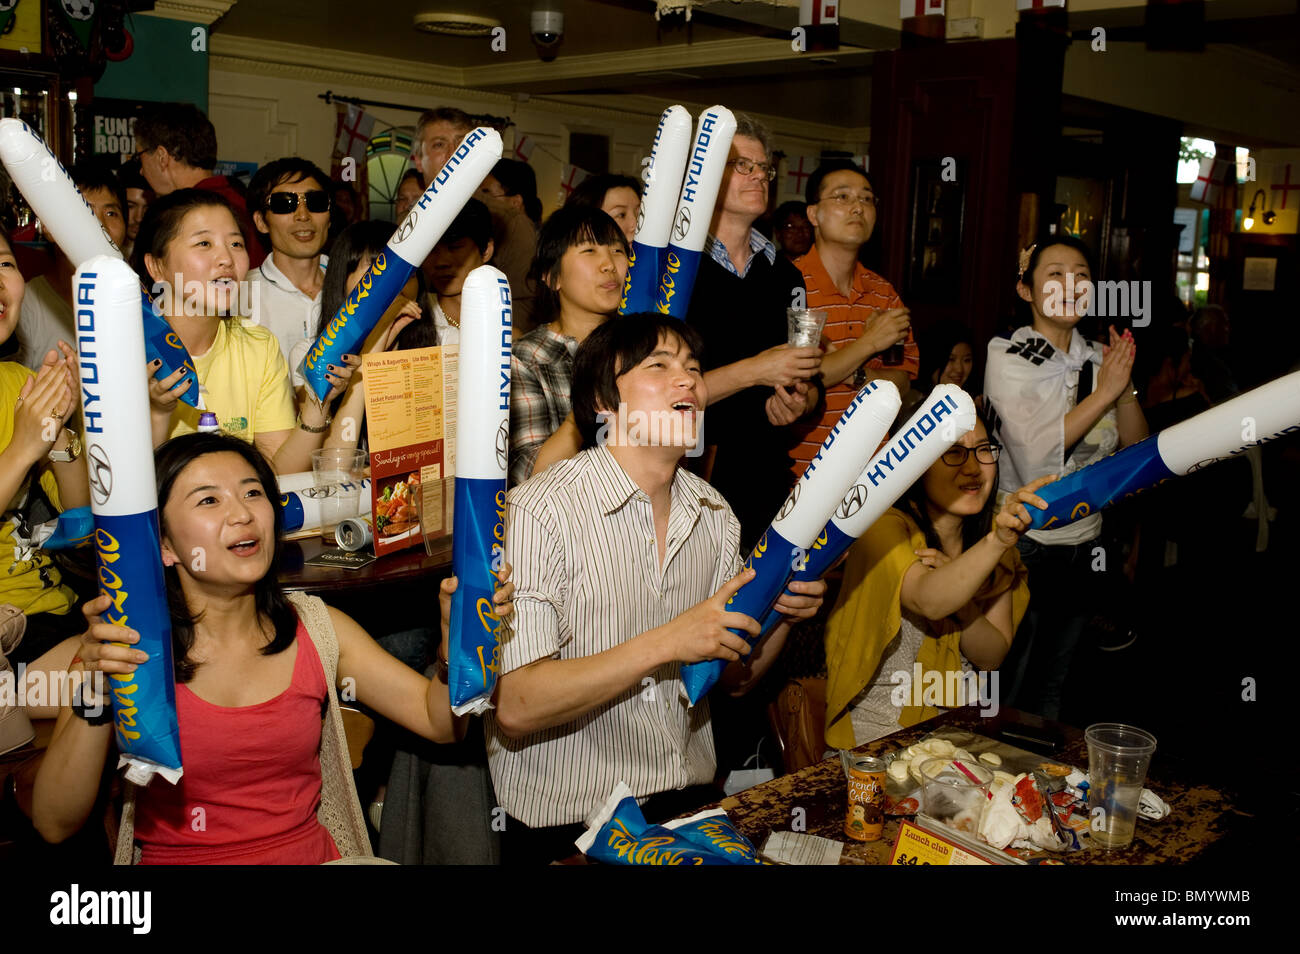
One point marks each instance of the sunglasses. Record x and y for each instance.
(283, 203)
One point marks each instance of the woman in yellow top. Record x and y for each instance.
(41, 473)
(191, 253)
(936, 581)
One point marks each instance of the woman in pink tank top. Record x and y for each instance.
(251, 687)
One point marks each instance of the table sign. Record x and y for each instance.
(411, 427)
(928, 842)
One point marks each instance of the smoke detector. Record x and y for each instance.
(455, 24)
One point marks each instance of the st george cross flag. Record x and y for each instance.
(570, 178)
(798, 169)
(818, 12)
(355, 126)
(920, 8)
(523, 148)
(1208, 180)
(1038, 4)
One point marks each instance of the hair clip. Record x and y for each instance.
(1025, 255)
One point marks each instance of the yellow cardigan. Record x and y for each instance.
(868, 614)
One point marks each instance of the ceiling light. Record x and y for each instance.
(455, 24)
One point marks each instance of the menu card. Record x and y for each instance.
(411, 427)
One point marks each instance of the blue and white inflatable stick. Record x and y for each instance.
(785, 543)
(1269, 411)
(681, 259)
(943, 419)
(70, 221)
(658, 205)
(410, 245)
(301, 506)
(479, 525)
(119, 456)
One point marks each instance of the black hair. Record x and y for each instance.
(592, 190)
(568, 226)
(518, 178)
(182, 129)
(786, 209)
(162, 220)
(411, 173)
(973, 528)
(169, 461)
(610, 351)
(284, 171)
(814, 191)
(473, 221)
(1047, 241)
(936, 344)
(88, 176)
(131, 177)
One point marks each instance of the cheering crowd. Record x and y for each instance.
(621, 558)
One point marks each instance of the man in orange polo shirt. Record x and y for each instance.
(865, 317)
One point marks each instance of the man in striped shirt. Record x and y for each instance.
(623, 563)
(865, 317)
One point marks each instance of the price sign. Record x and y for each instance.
(920, 846)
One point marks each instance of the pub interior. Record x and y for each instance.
(915, 175)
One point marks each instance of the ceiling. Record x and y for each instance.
(733, 50)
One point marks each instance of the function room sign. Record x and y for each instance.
(112, 128)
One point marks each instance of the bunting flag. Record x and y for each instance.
(1209, 179)
(524, 146)
(355, 127)
(799, 168)
(570, 178)
(80, 15)
(1283, 187)
(920, 8)
(1024, 5)
(818, 12)
(864, 161)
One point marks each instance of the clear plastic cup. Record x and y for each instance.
(337, 473)
(804, 326)
(1118, 758)
(953, 791)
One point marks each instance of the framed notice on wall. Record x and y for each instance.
(112, 127)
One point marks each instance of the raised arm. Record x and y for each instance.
(935, 587)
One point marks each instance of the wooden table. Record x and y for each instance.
(1201, 813)
(405, 566)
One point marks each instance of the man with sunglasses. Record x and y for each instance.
(865, 318)
(290, 199)
(176, 145)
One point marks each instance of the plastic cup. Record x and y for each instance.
(804, 326)
(337, 473)
(1118, 758)
(953, 796)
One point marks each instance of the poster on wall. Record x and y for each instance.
(20, 26)
(112, 127)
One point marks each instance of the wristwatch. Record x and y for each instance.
(82, 710)
(73, 451)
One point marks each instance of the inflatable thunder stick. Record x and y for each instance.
(71, 222)
(942, 419)
(785, 543)
(119, 457)
(681, 259)
(663, 181)
(410, 245)
(479, 524)
(301, 506)
(1256, 417)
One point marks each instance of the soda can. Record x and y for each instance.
(353, 533)
(866, 810)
